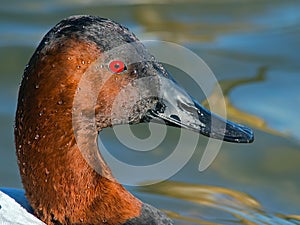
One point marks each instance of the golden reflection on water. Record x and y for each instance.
(226, 206)
(156, 19)
(234, 113)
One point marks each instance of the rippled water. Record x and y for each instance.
(253, 49)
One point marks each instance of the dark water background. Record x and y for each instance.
(253, 48)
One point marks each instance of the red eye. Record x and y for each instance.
(117, 66)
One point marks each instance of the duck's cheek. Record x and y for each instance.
(110, 94)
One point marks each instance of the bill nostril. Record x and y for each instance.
(175, 117)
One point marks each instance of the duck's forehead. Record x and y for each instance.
(114, 41)
(105, 33)
(129, 53)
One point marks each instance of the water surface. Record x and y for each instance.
(253, 49)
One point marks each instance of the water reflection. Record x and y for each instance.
(233, 112)
(168, 23)
(217, 205)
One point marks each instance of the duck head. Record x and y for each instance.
(133, 87)
(89, 73)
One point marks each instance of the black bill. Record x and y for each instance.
(177, 108)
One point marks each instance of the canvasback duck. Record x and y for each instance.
(87, 61)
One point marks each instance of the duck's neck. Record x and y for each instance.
(60, 185)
